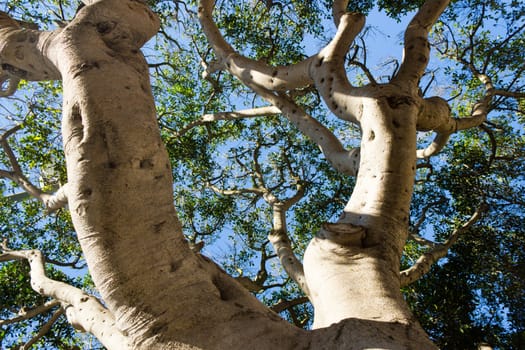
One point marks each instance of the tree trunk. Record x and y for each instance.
(161, 294)
(352, 266)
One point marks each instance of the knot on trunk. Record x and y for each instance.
(344, 234)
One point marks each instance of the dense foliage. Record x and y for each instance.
(228, 172)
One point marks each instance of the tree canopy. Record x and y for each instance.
(252, 187)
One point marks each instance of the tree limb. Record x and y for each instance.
(279, 239)
(25, 314)
(286, 304)
(52, 202)
(327, 66)
(425, 262)
(345, 161)
(338, 10)
(265, 81)
(234, 115)
(435, 115)
(416, 47)
(43, 331)
(259, 73)
(83, 311)
(18, 41)
(439, 142)
(328, 70)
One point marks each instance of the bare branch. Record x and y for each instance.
(234, 115)
(52, 202)
(279, 237)
(327, 66)
(25, 314)
(231, 192)
(286, 304)
(72, 264)
(425, 262)
(43, 331)
(58, 200)
(5, 77)
(365, 69)
(515, 94)
(85, 312)
(345, 161)
(264, 80)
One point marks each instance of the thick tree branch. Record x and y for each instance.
(23, 54)
(329, 74)
(344, 161)
(57, 200)
(338, 10)
(417, 48)
(439, 142)
(8, 22)
(84, 311)
(435, 115)
(327, 66)
(425, 262)
(247, 70)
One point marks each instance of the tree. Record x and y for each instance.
(151, 287)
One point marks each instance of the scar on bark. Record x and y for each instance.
(344, 234)
(76, 120)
